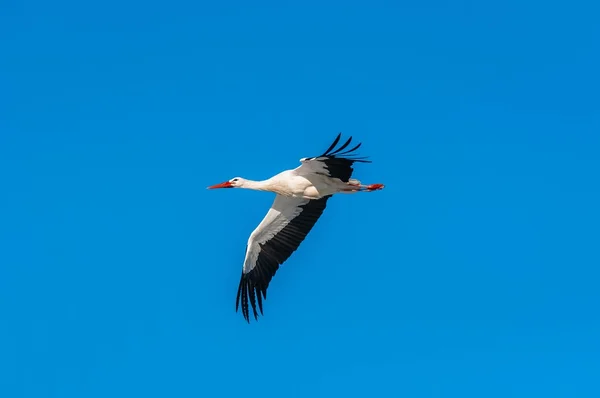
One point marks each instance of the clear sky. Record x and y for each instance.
(473, 274)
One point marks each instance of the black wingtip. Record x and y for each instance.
(252, 298)
(247, 297)
(343, 146)
(337, 139)
(351, 150)
(347, 154)
(259, 297)
(242, 297)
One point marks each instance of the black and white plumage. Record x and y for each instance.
(302, 196)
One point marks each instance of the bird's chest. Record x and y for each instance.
(302, 187)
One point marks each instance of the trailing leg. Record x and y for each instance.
(354, 186)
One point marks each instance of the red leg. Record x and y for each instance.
(375, 187)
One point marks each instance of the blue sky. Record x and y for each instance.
(474, 273)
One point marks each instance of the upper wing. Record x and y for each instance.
(278, 235)
(332, 163)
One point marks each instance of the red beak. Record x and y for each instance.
(225, 184)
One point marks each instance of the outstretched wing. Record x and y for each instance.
(335, 163)
(278, 235)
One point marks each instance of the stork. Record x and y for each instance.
(301, 197)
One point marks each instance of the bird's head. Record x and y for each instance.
(235, 182)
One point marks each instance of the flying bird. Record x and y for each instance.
(301, 197)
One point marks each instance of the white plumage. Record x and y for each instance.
(302, 195)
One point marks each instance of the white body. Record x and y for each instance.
(292, 184)
(302, 194)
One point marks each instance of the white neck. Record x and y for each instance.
(264, 185)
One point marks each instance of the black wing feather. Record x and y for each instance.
(338, 163)
(275, 252)
(343, 146)
(337, 139)
(352, 150)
